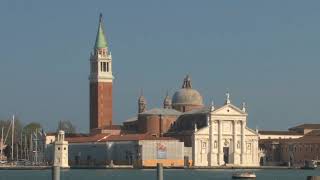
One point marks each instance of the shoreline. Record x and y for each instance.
(145, 168)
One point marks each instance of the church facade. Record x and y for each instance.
(226, 140)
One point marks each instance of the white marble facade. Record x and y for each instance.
(226, 140)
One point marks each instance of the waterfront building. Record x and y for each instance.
(216, 136)
(295, 146)
(134, 150)
(226, 139)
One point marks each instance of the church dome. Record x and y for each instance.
(186, 95)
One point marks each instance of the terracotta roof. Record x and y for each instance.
(312, 137)
(161, 111)
(108, 137)
(87, 138)
(314, 133)
(306, 126)
(279, 133)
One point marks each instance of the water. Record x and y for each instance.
(100, 174)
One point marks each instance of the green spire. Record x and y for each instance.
(101, 41)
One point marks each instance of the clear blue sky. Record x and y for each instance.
(266, 52)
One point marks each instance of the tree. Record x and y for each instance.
(67, 127)
(31, 127)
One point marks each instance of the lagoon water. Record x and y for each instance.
(169, 174)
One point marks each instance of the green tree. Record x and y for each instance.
(67, 127)
(31, 127)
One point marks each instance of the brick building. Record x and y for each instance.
(297, 145)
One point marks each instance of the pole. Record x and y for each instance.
(55, 173)
(12, 137)
(25, 146)
(17, 151)
(159, 171)
(21, 148)
(31, 149)
(1, 155)
(36, 141)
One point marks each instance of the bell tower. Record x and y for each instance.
(101, 79)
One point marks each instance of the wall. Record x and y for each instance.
(168, 152)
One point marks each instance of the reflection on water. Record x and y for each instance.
(169, 174)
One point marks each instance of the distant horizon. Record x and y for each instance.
(265, 53)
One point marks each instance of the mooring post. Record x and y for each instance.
(159, 171)
(55, 172)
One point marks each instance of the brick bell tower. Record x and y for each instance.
(101, 79)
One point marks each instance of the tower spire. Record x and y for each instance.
(142, 103)
(101, 41)
(167, 103)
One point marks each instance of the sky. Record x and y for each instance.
(264, 52)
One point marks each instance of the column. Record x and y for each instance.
(242, 157)
(194, 151)
(211, 143)
(220, 153)
(234, 142)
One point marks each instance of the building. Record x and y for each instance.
(295, 146)
(101, 80)
(216, 136)
(226, 140)
(159, 121)
(182, 132)
(61, 151)
(134, 150)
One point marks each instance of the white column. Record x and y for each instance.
(195, 152)
(220, 154)
(243, 126)
(211, 143)
(234, 142)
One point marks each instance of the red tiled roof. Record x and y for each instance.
(312, 137)
(108, 137)
(307, 126)
(279, 133)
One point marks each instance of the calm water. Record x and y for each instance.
(151, 174)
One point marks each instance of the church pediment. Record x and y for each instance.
(229, 109)
(250, 132)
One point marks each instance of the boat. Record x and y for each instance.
(309, 164)
(244, 175)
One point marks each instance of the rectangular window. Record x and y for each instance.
(107, 66)
(104, 66)
(101, 66)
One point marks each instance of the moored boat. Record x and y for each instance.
(244, 175)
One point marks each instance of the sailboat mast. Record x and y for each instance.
(21, 147)
(25, 146)
(36, 141)
(1, 144)
(17, 151)
(12, 137)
